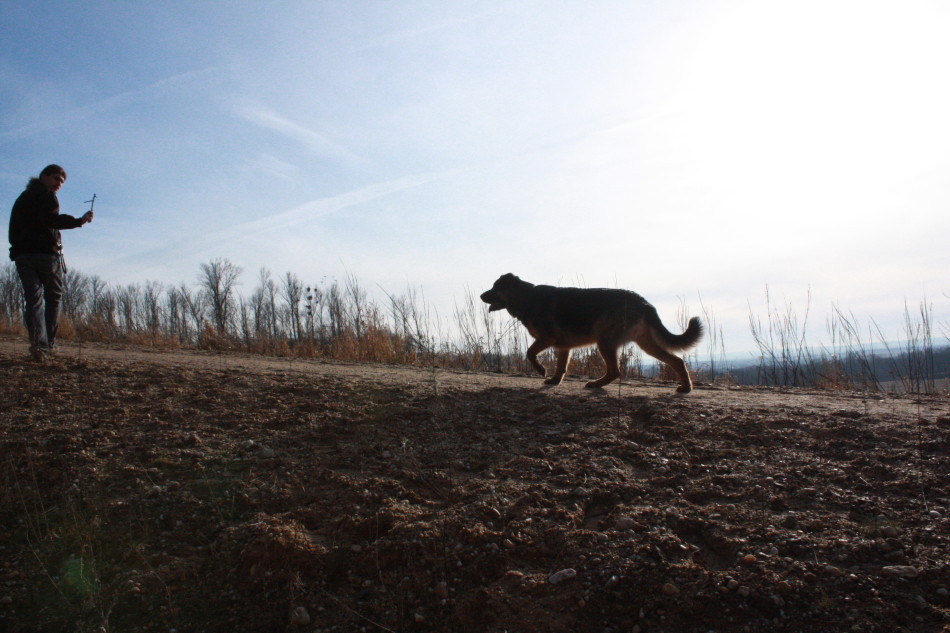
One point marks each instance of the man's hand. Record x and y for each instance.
(87, 217)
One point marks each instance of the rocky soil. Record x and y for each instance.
(145, 490)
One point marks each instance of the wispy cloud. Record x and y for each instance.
(115, 102)
(266, 118)
(269, 164)
(264, 229)
(426, 28)
(324, 206)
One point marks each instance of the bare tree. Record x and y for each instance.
(75, 296)
(314, 307)
(336, 310)
(127, 298)
(11, 295)
(195, 307)
(292, 293)
(176, 314)
(219, 279)
(412, 321)
(263, 306)
(102, 306)
(152, 307)
(244, 319)
(359, 305)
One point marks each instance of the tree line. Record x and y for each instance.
(338, 319)
(281, 316)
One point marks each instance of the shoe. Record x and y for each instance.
(39, 354)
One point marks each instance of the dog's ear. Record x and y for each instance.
(508, 277)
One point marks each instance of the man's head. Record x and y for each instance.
(53, 177)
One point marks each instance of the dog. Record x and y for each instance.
(566, 318)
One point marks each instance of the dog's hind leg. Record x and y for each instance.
(536, 348)
(608, 351)
(675, 362)
(563, 358)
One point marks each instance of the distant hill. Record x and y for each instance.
(882, 367)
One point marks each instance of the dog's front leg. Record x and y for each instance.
(536, 348)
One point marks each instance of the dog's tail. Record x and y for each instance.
(675, 342)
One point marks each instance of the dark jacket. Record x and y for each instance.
(35, 222)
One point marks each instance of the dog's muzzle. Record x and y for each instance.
(491, 301)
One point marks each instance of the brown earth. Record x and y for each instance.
(150, 490)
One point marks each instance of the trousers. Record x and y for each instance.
(42, 279)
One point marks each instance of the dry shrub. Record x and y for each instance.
(375, 345)
(96, 330)
(212, 340)
(12, 329)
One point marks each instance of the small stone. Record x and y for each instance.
(748, 559)
(625, 523)
(300, 617)
(442, 589)
(733, 584)
(561, 576)
(670, 589)
(744, 591)
(6, 600)
(419, 618)
(892, 544)
(890, 531)
(903, 571)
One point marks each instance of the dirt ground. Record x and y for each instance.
(180, 491)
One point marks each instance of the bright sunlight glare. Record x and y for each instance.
(804, 116)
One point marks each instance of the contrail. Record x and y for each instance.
(64, 119)
(325, 206)
(280, 222)
(270, 120)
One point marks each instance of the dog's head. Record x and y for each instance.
(501, 293)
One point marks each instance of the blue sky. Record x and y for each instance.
(685, 150)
